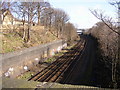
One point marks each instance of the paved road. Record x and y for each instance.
(82, 72)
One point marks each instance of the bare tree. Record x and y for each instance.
(60, 19)
(105, 19)
(112, 43)
(54, 18)
(108, 44)
(40, 7)
(26, 11)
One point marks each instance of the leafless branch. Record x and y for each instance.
(106, 20)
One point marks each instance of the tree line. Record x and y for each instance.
(107, 33)
(55, 20)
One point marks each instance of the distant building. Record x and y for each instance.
(8, 22)
(8, 19)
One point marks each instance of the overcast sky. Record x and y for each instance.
(78, 10)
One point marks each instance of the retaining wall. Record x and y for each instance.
(17, 62)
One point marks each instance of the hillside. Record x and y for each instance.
(11, 41)
(21, 32)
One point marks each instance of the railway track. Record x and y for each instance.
(55, 71)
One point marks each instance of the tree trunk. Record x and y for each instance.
(38, 13)
(24, 29)
(29, 24)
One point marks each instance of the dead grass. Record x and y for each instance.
(11, 41)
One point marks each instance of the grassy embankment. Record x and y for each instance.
(11, 41)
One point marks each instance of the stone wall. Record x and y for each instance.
(17, 62)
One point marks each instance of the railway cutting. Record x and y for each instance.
(61, 70)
